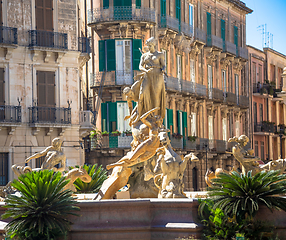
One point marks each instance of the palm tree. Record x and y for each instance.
(41, 209)
(240, 195)
(98, 175)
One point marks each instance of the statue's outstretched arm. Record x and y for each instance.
(40, 154)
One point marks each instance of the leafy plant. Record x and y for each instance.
(98, 175)
(242, 194)
(104, 133)
(117, 133)
(94, 133)
(41, 210)
(192, 138)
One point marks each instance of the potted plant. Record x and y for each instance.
(177, 135)
(116, 133)
(105, 133)
(192, 138)
(128, 133)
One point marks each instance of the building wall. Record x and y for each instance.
(21, 62)
(219, 110)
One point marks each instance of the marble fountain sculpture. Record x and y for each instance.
(150, 137)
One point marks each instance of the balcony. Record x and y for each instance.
(47, 39)
(112, 78)
(86, 119)
(172, 83)
(10, 114)
(215, 94)
(190, 145)
(230, 48)
(188, 86)
(169, 22)
(111, 141)
(220, 146)
(118, 14)
(264, 127)
(243, 101)
(50, 115)
(202, 143)
(243, 53)
(230, 98)
(201, 90)
(214, 41)
(8, 35)
(84, 45)
(177, 143)
(200, 35)
(187, 29)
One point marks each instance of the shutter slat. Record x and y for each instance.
(110, 46)
(101, 53)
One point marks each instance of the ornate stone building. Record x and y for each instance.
(204, 43)
(268, 109)
(43, 52)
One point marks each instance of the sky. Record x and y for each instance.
(272, 13)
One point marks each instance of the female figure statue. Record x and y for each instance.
(152, 88)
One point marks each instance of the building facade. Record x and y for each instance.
(268, 110)
(43, 52)
(204, 43)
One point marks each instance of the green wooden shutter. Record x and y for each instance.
(105, 4)
(110, 46)
(137, 43)
(209, 29)
(235, 38)
(2, 88)
(112, 113)
(127, 3)
(103, 117)
(222, 26)
(101, 54)
(178, 12)
(170, 118)
(163, 7)
(138, 3)
(179, 122)
(185, 123)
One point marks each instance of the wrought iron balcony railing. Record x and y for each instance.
(172, 83)
(187, 29)
(84, 45)
(200, 35)
(112, 78)
(243, 52)
(8, 35)
(50, 115)
(188, 86)
(230, 98)
(264, 127)
(214, 41)
(215, 94)
(201, 90)
(243, 101)
(230, 47)
(10, 114)
(125, 13)
(86, 118)
(169, 22)
(39, 38)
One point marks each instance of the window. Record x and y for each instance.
(236, 87)
(123, 62)
(138, 3)
(222, 32)
(254, 73)
(179, 67)
(44, 15)
(262, 150)
(182, 122)
(255, 112)
(223, 81)
(211, 132)
(192, 70)
(122, 3)
(169, 119)
(2, 87)
(194, 124)
(111, 52)
(261, 112)
(224, 129)
(260, 73)
(210, 80)
(235, 36)
(209, 29)
(165, 58)
(195, 179)
(256, 148)
(178, 10)
(237, 128)
(3, 169)
(191, 14)
(163, 7)
(122, 111)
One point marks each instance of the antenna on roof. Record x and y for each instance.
(267, 37)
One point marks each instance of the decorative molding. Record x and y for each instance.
(47, 57)
(59, 56)
(35, 54)
(49, 130)
(35, 131)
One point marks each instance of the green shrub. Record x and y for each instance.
(42, 209)
(98, 175)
